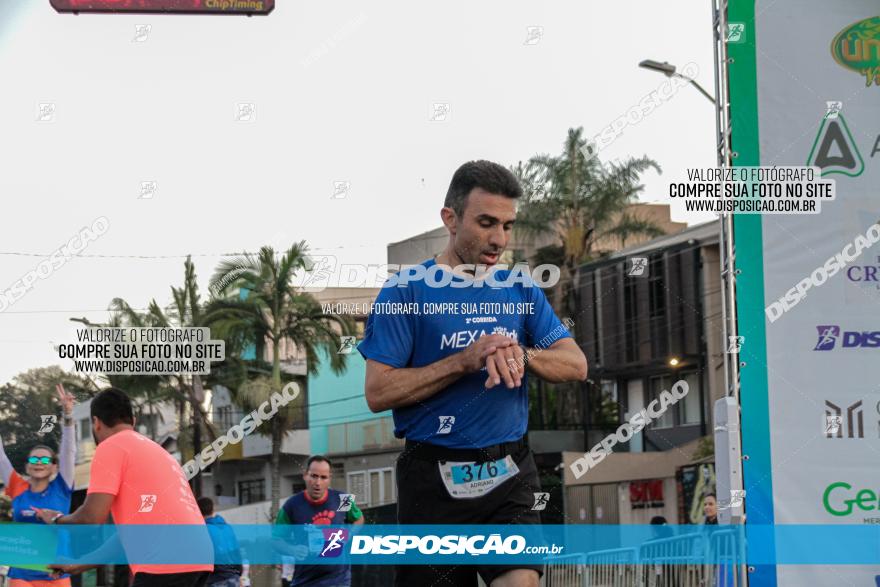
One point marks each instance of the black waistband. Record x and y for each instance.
(431, 452)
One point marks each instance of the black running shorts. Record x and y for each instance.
(422, 498)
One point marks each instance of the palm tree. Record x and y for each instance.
(185, 311)
(579, 201)
(273, 311)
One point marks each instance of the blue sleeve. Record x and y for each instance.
(388, 337)
(65, 489)
(543, 327)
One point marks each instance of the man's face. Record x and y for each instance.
(317, 479)
(481, 234)
(99, 430)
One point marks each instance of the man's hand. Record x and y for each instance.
(58, 570)
(506, 363)
(48, 516)
(474, 356)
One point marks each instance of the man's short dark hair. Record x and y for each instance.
(318, 458)
(492, 177)
(206, 506)
(112, 406)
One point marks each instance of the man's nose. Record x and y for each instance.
(498, 237)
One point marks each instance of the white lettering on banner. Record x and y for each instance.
(823, 273)
(445, 545)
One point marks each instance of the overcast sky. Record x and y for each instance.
(343, 92)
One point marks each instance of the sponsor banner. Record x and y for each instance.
(816, 105)
(38, 544)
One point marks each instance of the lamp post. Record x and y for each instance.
(668, 70)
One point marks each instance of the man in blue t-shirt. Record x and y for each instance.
(316, 506)
(448, 347)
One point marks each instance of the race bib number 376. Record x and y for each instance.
(470, 480)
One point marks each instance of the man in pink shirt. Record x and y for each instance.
(138, 482)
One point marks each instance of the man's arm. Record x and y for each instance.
(355, 516)
(94, 510)
(560, 362)
(110, 552)
(387, 387)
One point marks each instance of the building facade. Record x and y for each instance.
(648, 316)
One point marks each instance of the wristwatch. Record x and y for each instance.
(54, 518)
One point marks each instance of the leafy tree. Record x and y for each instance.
(269, 312)
(579, 201)
(28, 396)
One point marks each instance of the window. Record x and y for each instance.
(252, 491)
(373, 487)
(657, 307)
(689, 407)
(609, 415)
(630, 321)
(657, 385)
(85, 430)
(357, 486)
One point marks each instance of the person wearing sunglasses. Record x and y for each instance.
(48, 484)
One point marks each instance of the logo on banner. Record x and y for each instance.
(856, 48)
(865, 274)
(334, 540)
(834, 149)
(841, 499)
(829, 335)
(853, 426)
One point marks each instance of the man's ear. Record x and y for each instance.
(450, 220)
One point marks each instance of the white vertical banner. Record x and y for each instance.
(818, 84)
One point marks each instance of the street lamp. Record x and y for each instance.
(668, 70)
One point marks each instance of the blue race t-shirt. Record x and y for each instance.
(465, 414)
(56, 496)
(300, 509)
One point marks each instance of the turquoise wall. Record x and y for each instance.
(337, 399)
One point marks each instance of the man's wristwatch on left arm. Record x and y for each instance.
(54, 519)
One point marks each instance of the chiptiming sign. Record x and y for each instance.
(805, 90)
(158, 6)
